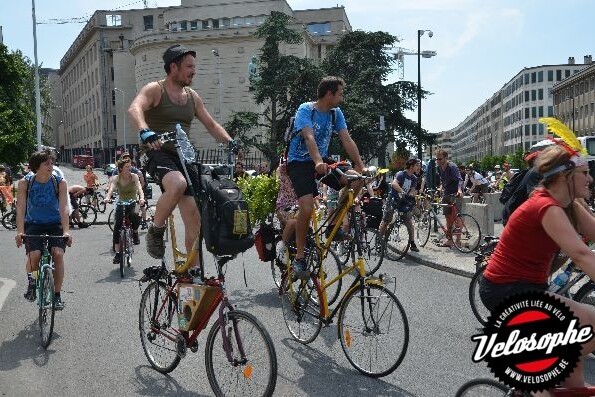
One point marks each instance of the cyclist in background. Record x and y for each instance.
(450, 186)
(404, 184)
(42, 210)
(129, 188)
(479, 183)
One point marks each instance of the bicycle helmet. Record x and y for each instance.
(411, 162)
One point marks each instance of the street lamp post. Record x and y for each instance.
(216, 55)
(419, 133)
(37, 89)
(123, 117)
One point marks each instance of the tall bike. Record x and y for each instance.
(44, 285)
(372, 325)
(465, 235)
(175, 307)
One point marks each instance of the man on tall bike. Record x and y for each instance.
(157, 108)
(306, 157)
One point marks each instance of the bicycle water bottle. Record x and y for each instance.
(185, 145)
(561, 279)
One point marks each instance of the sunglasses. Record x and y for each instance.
(439, 158)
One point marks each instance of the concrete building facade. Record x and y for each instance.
(118, 52)
(508, 120)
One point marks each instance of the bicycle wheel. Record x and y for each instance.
(302, 310)
(150, 213)
(373, 330)
(422, 227)
(395, 241)
(343, 250)
(9, 220)
(47, 307)
(466, 234)
(88, 214)
(158, 326)
(332, 268)
(123, 250)
(252, 369)
(482, 388)
(480, 312)
(372, 246)
(586, 294)
(98, 202)
(110, 220)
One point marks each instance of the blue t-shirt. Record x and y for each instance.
(43, 206)
(407, 182)
(323, 130)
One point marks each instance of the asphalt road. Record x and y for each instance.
(96, 350)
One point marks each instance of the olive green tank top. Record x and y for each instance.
(165, 116)
(127, 192)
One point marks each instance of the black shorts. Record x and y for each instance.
(159, 163)
(493, 294)
(303, 178)
(36, 244)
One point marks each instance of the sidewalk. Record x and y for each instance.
(447, 259)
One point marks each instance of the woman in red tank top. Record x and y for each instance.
(550, 220)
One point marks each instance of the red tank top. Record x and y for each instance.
(525, 250)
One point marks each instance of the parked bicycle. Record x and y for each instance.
(369, 314)
(176, 306)
(94, 198)
(44, 286)
(465, 235)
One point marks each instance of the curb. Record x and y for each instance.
(438, 266)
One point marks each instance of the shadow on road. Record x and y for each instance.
(25, 346)
(152, 383)
(130, 275)
(247, 298)
(323, 376)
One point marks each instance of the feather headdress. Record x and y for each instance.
(557, 127)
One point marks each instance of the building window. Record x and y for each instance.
(113, 20)
(567, 73)
(526, 78)
(527, 96)
(249, 20)
(184, 25)
(173, 26)
(114, 121)
(215, 23)
(193, 25)
(526, 113)
(540, 94)
(533, 77)
(540, 76)
(148, 19)
(558, 75)
(550, 75)
(533, 129)
(225, 22)
(534, 112)
(541, 111)
(238, 21)
(533, 95)
(550, 111)
(112, 72)
(205, 24)
(319, 29)
(260, 19)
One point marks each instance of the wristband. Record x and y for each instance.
(145, 133)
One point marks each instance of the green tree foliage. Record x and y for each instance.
(281, 83)
(17, 106)
(361, 59)
(260, 193)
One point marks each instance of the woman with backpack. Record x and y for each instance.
(550, 220)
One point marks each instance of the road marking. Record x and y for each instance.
(6, 285)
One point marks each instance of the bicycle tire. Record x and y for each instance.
(101, 205)
(466, 233)
(350, 329)
(372, 247)
(395, 242)
(88, 214)
(301, 304)
(278, 267)
(152, 337)
(253, 373)
(586, 294)
(150, 213)
(47, 306)
(422, 228)
(482, 387)
(123, 250)
(9, 220)
(479, 310)
(110, 220)
(332, 268)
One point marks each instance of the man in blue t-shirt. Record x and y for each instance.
(450, 184)
(404, 184)
(306, 157)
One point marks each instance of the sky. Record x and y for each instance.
(480, 44)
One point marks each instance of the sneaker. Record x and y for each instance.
(58, 304)
(155, 245)
(413, 247)
(117, 258)
(143, 225)
(135, 239)
(31, 294)
(300, 268)
(339, 236)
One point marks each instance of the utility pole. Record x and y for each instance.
(37, 90)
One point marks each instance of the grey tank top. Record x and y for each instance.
(165, 116)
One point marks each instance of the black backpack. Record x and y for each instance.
(225, 224)
(511, 186)
(290, 134)
(521, 186)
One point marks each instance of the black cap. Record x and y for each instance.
(176, 51)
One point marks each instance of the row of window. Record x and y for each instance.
(211, 23)
(538, 77)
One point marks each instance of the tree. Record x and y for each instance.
(361, 59)
(17, 106)
(281, 83)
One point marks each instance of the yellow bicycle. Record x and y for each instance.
(372, 324)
